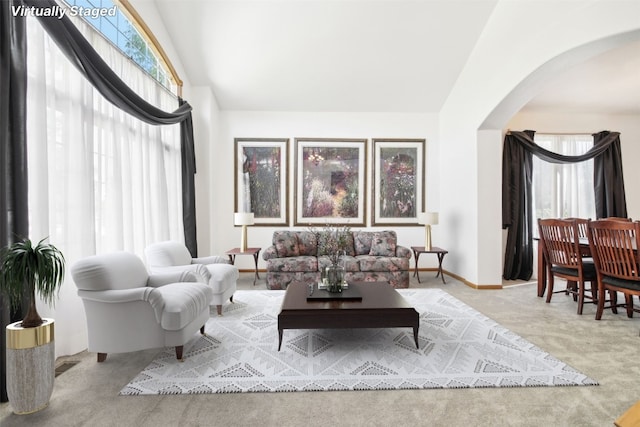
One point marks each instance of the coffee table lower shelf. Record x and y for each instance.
(381, 307)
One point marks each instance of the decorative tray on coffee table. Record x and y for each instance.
(318, 292)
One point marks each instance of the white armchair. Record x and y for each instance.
(129, 310)
(171, 256)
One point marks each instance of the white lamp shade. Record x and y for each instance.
(428, 218)
(243, 218)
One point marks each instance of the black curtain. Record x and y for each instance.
(14, 219)
(188, 159)
(517, 215)
(84, 57)
(607, 177)
(516, 212)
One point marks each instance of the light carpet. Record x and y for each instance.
(459, 348)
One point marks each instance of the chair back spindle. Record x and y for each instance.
(583, 224)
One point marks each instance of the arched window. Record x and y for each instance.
(126, 30)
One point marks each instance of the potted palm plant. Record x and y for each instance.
(25, 270)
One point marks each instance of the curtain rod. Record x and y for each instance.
(559, 133)
(565, 133)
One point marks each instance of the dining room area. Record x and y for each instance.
(597, 262)
(597, 259)
(570, 236)
(564, 209)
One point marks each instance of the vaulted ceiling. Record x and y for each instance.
(362, 56)
(608, 83)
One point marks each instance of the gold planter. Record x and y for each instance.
(30, 366)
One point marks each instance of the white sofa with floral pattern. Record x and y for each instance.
(371, 256)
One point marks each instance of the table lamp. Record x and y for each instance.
(243, 219)
(428, 219)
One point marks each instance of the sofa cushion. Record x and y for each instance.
(383, 243)
(348, 244)
(286, 243)
(321, 243)
(281, 280)
(397, 279)
(348, 262)
(362, 242)
(382, 263)
(349, 249)
(299, 263)
(307, 243)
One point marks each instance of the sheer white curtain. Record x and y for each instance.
(563, 190)
(99, 179)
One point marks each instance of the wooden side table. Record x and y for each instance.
(417, 250)
(249, 251)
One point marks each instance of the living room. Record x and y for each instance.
(463, 114)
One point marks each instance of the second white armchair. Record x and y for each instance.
(170, 256)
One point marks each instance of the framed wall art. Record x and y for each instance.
(261, 172)
(330, 181)
(398, 181)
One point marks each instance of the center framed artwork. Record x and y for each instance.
(330, 181)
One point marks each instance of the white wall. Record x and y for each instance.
(489, 184)
(317, 125)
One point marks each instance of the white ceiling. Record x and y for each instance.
(362, 56)
(608, 83)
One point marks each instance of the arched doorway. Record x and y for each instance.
(502, 116)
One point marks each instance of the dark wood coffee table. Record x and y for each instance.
(381, 307)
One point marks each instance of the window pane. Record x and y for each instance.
(563, 190)
(122, 33)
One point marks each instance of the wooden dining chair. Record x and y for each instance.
(614, 247)
(616, 218)
(560, 239)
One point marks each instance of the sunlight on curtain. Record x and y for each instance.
(563, 190)
(99, 179)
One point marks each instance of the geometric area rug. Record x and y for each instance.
(459, 348)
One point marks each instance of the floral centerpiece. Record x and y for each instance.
(333, 242)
